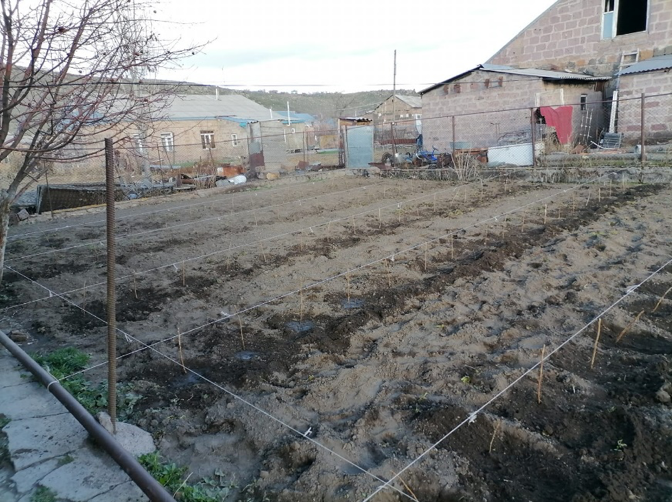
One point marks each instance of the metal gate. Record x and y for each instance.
(358, 146)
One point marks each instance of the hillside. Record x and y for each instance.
(321, 104)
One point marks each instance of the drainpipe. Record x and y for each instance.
(150, 486)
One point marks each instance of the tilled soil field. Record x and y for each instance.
(363, 338)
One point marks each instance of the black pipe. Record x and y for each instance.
(150, 486)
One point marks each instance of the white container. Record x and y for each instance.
(237, 180)
(516, 155)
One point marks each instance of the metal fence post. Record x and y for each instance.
(643, 131)
(111, 296)
(534, 137)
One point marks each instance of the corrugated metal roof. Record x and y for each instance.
(412, 101)
(656, 63)
(197, 107)
(544, 74)
(527, 72)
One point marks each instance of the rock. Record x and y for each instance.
(19, 336)
(264, 474)
(133, 439)
(662, 396)
(23, 215)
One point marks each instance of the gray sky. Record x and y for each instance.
(345, 45)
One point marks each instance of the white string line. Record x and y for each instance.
(152, 347)
(241, 246)
(386, 484)
(471, 417)
(223, 199)
(178, 225)
(328, 279)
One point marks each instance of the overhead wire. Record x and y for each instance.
(473, 415)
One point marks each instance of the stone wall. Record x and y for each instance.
(568, 36)
(489, 105)
(658, 106)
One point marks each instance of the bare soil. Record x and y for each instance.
(379, 314)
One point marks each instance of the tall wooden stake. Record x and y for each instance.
(541, 374)
(597, 339)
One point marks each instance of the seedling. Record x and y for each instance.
(541, 374)
(179, 347)
(263, 253)
(494, 434)
(597, 339)
(620, 445)
(389, 273)
(242, 337)
(466, 379)
(627, 328)
(661, 300)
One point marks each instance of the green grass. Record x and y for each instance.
(43, 494)
(63, 362)
(175, 480)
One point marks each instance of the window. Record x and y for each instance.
(139, 143)
(167, 141)
(457, 88)
(621, 17)
(584, 99)
(234, 140)
(208, 139)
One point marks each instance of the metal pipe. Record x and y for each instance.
(150, 486)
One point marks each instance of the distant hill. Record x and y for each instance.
(322, 105)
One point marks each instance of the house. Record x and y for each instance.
(404, 112)
(595, 50)
(454, 109)
(214, 130)
(206, 129)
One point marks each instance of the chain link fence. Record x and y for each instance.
(629, 128)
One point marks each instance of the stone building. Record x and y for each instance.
(405, 112)
(601, 55)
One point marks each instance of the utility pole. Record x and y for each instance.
(394, 108)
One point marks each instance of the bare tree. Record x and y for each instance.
(67, 71)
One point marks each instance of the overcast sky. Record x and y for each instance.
(343, 45)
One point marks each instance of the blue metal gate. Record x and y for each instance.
(358, 146)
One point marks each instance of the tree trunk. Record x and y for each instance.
(5, 201)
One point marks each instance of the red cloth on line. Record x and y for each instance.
(561, 119)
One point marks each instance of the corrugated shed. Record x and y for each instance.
(653, 64)
(229, 106)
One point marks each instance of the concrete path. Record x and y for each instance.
(44, 450)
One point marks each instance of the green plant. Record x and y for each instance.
(620, 445)
(43, 494)
(4, 421)
(64, 362)
(466, 379)
(172, 477)
(66, 460)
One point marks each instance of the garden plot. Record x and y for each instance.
(337, 334)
